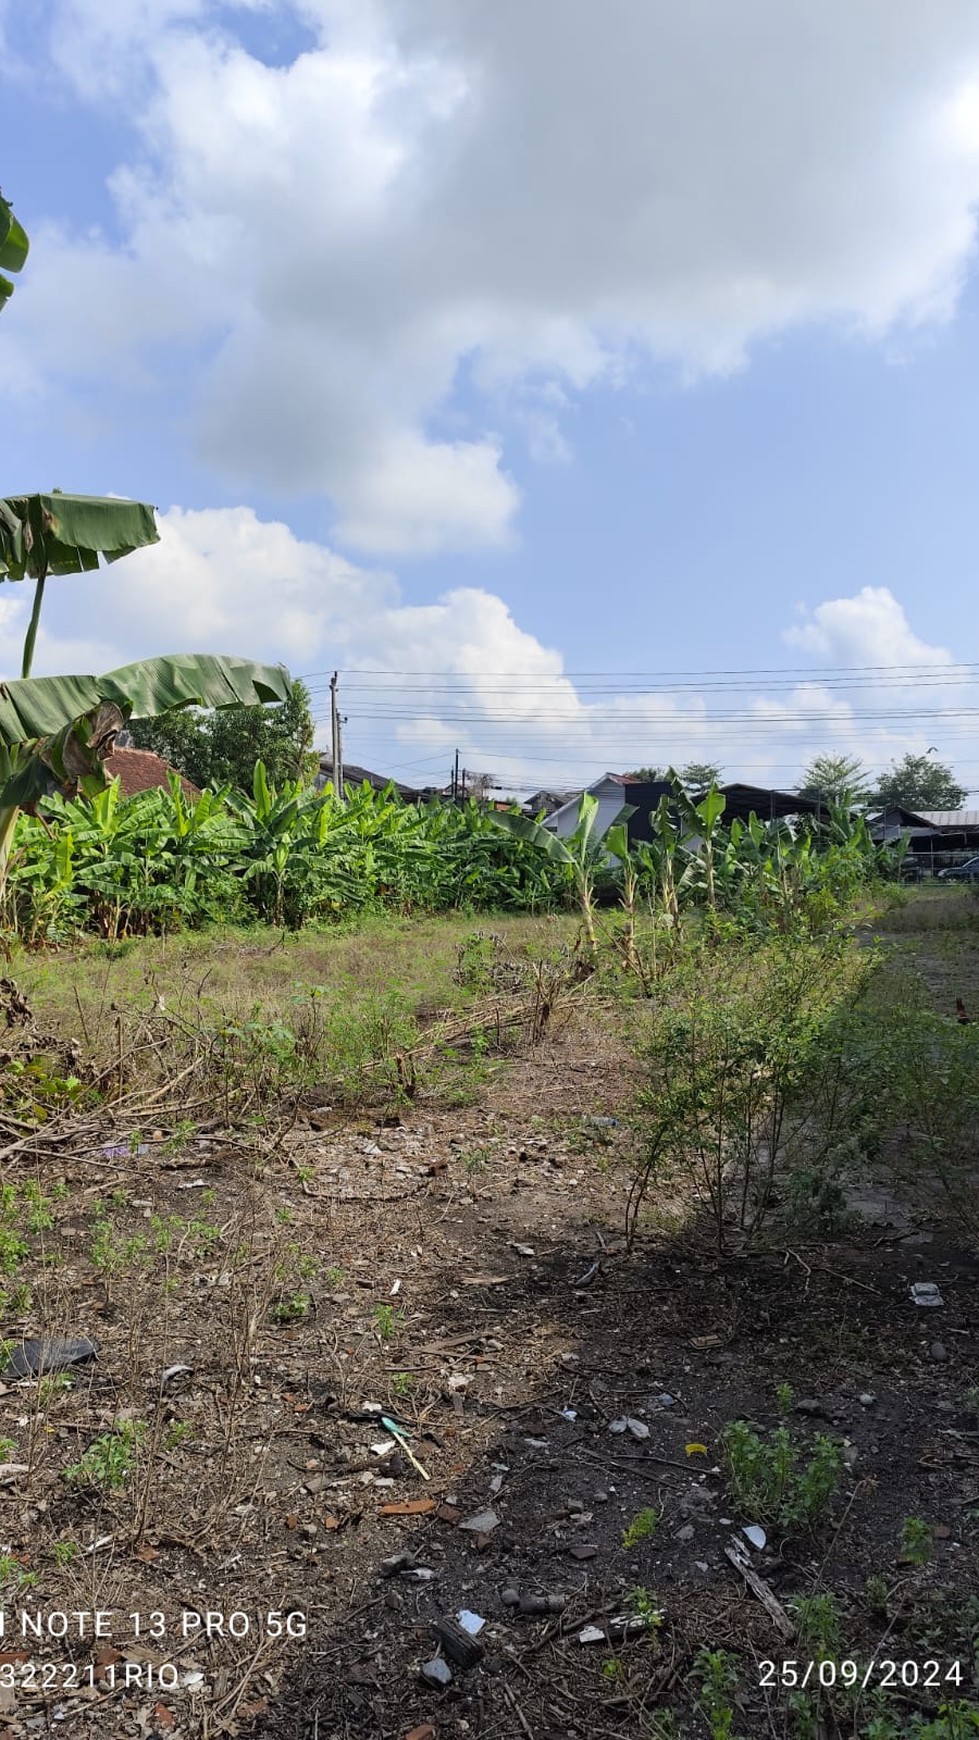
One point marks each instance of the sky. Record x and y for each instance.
(592, 387)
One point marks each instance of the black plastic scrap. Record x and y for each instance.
(32, 1357)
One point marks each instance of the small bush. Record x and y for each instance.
(774, 1481)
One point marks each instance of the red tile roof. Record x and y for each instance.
(141, 770)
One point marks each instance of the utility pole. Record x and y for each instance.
(464, 771)
(336, 738)
(455, 778)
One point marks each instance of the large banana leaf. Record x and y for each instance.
(56, 732)
(67, 534)
(42, 706)
(13, 248)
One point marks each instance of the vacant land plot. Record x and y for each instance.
(297, 1189)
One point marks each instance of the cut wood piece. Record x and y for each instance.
(737, 1552)
(408, 1507)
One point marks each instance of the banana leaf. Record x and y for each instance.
(42, 706)
(13, 248)
(56, 732)
(67, 534)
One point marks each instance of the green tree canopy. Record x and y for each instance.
(700, 775)
(920, 783)
(222, 748)
(834, 777)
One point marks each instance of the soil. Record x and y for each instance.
(474, 1286)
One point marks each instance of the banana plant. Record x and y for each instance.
(583, 854)
(56, 732)
(13, 248)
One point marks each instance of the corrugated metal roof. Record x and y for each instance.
(950, 818)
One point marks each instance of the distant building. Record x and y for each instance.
(141, 770)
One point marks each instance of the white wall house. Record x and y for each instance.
(611, 793)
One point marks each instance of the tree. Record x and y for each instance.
(13, 249)
(56, 732)
(650, 775)
(223, 748)
(700, 775)
(918, 783)
(834, 778)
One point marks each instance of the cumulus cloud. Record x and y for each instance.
(867, 630)
(420, 680)
(421, 195)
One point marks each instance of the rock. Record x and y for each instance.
(535, 1604)
(686, 1533)
(867, 1399)
(600, 1495)
(938, 1351)
(483, 1523)
(436, 1672)
(809, 1405)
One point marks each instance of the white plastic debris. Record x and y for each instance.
(395, 1288)
(627, 1424)
(926, 1293)
(755, 1535)
(471, 1622)
(569, 1413)
(591, 1634)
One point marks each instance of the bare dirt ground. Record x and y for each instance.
(461, 1271)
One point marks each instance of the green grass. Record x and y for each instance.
(225, 972)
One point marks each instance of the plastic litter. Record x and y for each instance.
(756, 1535)
(471, 1622)
(34, 1356)
(627, 1424)
(926, 1293)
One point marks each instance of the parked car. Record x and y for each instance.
(967, 872)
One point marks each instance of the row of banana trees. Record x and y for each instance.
(111, 867)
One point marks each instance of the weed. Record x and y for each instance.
(718, 1677)
(916, 1541)
(335, 1275)
(612, 1668)
(784, 1397)
(877, 1595)
(402, 1383)
(773, 1483)
(644, 1607)
(64, 1553)
(642, 1527)
(387, 1322)
(178, 1432)
(8, 1449)
(292, 1308)
(109, 1459)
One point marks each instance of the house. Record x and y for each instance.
(936, 838)
(613, 791)
(141, 770)
(355, 775)
(768, 805)
(547, 802)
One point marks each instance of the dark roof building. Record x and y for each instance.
(768, 805)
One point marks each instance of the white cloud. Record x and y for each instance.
(420, 680)
(426, 190)
(867, 630)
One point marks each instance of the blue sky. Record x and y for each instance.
(429, 379)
